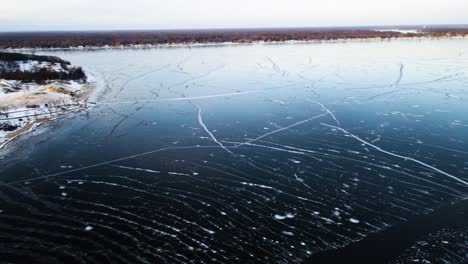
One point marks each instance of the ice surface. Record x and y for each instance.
(250, 154)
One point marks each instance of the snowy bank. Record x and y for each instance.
(25, 105)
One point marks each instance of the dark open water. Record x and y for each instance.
(242, 154)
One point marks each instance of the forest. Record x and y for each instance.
(10, 69)
(126, 38)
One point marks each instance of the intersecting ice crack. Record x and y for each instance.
(327, 110)
(281, 129)
(396, 155)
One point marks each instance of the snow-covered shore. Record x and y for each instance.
(24, 106)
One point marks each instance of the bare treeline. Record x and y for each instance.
(125, 38)
(44, 74)
(10, 56)
(118, 38)
(10, 70)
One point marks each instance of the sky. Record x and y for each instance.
(32, 15)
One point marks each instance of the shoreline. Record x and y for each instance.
(25, 130)
(222, 44)
(48, 112)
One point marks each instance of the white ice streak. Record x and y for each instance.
(178, 173)
(398, 156)
(257, 185)
(181, 98)
(267, 147)
(137, 169)
(200, 121)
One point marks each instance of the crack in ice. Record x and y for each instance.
(105, 163)
(182, 98)
(200, 121)
(326, 109)
(400, 77)
(280, 129)
(398, 156)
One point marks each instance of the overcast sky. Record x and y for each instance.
(182, 14)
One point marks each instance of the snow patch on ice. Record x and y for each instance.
(283, 217)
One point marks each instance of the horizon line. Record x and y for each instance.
(387, 26)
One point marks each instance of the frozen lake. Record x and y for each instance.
(241, 154)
